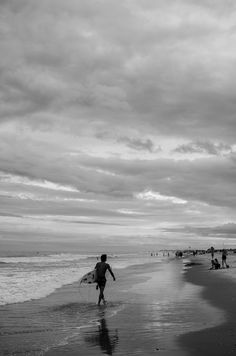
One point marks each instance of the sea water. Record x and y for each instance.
(26, 278)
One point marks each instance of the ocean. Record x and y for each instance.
(25, 278)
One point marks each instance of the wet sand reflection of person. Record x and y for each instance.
(103, 337)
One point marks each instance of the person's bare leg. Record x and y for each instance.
(101, 295)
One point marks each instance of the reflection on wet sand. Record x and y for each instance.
(103, 337)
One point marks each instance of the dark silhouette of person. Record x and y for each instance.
(101, 268)
(215, 264)
(212, 252)
(224, 257)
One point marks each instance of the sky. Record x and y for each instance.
(117, 123)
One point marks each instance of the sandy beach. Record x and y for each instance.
(160, 307)
(219, 291)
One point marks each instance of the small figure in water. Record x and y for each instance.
(101, 268)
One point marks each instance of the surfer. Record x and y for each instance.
(101, 268)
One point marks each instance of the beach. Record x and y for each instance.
(219, 291)
(162, 305)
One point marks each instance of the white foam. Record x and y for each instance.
(45, 259)
(18, 285)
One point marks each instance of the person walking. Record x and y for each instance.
(224, 257)
(101, 268)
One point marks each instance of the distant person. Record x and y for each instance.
(215, 264)
(224, 257)
(101, 268)
(179, 254)
(212, 264)
(212, 252)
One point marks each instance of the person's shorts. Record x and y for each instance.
(101, 282)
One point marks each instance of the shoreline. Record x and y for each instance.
(38, 326)
(131, 330)
(219, 291)
(151, 307)
(144, 325)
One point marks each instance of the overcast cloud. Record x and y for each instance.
(120, 112)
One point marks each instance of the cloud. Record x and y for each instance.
(14, 179)
(138, 144)
(129, 212)
(129, 105)
(108, 173)
(221, 231)
(41, 197)
(149, 195)
(135, 143)
(168, 64)
(209, 148)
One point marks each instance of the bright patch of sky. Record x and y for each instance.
(149, 195)
(14, 179)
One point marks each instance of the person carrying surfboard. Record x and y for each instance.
(101, 268)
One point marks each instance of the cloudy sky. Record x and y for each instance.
(118, 122)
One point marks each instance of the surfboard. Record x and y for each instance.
(89, 278)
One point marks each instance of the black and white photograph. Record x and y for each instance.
(117, 177)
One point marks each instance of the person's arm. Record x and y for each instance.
(110, 270)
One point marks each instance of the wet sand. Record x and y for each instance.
(157, 307)
(137, 328)
(220, 291)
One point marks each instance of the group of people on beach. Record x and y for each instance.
(214, 261)
(102, 266)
